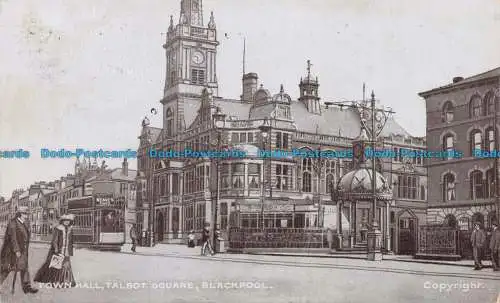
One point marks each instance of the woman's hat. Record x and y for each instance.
(67, 217)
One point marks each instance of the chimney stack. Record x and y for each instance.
(125, 167)
(250, 82)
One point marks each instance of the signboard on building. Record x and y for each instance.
(273, 208)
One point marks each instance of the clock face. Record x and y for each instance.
(198, 57)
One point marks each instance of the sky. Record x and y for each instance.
(85, 73)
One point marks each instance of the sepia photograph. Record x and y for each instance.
(220, 151)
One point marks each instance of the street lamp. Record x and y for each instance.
(378, 119)
(318, 166)
(218, 122)
(265, 130)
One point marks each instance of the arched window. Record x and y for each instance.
(449, 193)
(329, 174)
(476, 185)
(490, 183)
(450, 221)
(489, 103)
(490, 139)
(448, 145)
(475, 107)
(170, 122)
(306, 175)
(476, 140)
(448, 112)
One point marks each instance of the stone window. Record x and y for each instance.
(449, 193)
(407, 187)
(448, 146)
(253, 176)
(489, 103)
(490, 183)
(329, 175)
(476, 185)
(189, 217)
(448, 112)
(200, 215)
(175, 184)
(238, 175)
(490, 139)
(282, 140)
(475, 107)
(476, 140)
(225, 176)
(306, 175)
(170, 122)
(282, 176)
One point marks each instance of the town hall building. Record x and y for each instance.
(176, 195)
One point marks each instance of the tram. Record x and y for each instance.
(99, 221)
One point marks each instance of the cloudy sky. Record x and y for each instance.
(84, 73)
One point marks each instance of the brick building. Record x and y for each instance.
(460, 116)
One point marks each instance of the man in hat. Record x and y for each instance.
(133, 237)
(478, 239)
(14, 253)
(495, 247)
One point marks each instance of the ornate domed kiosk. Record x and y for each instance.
(354, 191)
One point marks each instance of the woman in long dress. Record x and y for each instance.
(62, 245)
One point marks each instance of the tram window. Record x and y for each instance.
(110, 221)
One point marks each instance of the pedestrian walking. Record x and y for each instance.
(329, 238)
(191, 238)
(15, 247)
(495, 247)
(206, 242)
(478, 239)
(57, 267)
(133, 237)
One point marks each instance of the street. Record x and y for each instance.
(178, 274)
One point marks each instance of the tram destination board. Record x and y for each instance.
(80, 202)
(109, 201)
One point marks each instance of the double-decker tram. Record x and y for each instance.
(99, 221)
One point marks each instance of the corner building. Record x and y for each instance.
(174, 194)
(461, 116)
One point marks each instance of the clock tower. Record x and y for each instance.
(190, 50)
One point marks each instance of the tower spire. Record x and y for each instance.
(309, 69)
(244, 53)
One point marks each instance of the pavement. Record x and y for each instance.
(184, 250)
(177, 274)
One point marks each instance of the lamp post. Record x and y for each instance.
(378, 118)
(318, 167)
(265, 130)
(218, 119)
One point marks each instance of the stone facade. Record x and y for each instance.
(460, 116)
(175, 194)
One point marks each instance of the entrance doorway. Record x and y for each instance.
(160, 226)
(407, 235)
(175, 222)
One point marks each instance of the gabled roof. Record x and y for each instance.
(494, 73)
(117, 174)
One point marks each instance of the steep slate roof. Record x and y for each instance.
(334, 120)
(486, 75)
